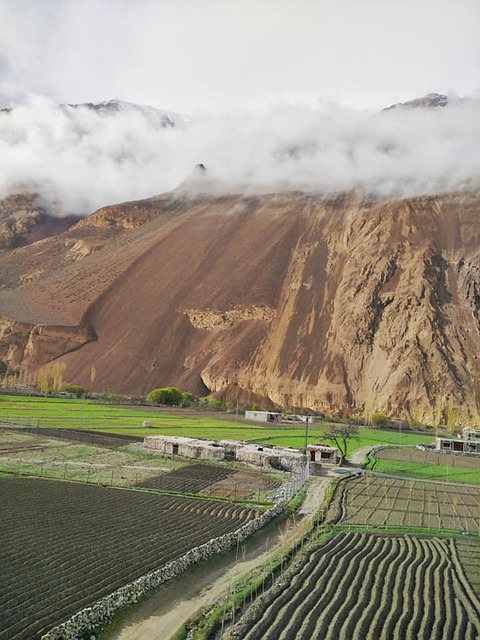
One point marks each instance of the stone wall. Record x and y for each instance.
(86, 621)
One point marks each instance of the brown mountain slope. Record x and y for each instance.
(340, 303)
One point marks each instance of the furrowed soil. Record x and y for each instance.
(65, 545)
(360, 585)
(380, 501)
(200, 587)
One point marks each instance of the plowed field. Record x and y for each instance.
(191, 479)
(380, 501)
(214, 480)
(370, 587)
(65, 545)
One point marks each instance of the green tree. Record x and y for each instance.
(170, 396)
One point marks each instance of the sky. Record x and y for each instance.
(216, 55)
(277, 95)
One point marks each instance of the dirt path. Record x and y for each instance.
(201, 586)
(358, 456)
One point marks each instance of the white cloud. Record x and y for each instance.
(85, 160)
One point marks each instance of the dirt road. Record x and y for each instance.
(201, 586)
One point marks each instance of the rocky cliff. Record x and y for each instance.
(343, 303)
(24, 219)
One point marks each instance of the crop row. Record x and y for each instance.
(213, 480)
(379, 501)
(191, 479)
(360, 585)
(64, 545)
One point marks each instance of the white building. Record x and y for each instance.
(469, 443)
(262, 455)
(185, 447)
(263, 416)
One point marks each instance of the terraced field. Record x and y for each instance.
(370, 587)
(381, 501)
(64, 545)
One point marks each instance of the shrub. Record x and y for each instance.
(188, 399)
(108, 396)
(379, 419)
(170, 396)
(74, 389)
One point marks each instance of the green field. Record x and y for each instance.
(450, 469)
(85, 414)
(428, 472)
(368, 437)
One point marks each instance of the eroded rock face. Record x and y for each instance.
(211, 320)
(24, 219)
(26, 347)
(340, 303)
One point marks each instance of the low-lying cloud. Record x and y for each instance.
(84, 159)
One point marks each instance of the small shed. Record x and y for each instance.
(322, 453)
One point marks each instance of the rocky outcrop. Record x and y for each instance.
(25, 347)
(24, 219)
(343, 303)
(218, 320)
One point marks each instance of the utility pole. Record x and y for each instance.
(305, 444)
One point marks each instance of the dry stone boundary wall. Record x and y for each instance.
(85, 622)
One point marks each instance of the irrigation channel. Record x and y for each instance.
(201, 586)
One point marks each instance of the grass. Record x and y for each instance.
(446, 473)
(368, 437)
(85, 414)
(123, 466)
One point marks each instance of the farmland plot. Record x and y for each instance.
(64, 545)
(214, 480)
(193, 478)
(369, 587)
(427, 464)
(380, 501)
(469, 554)
(428, 457)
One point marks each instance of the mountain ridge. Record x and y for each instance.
(340, 303)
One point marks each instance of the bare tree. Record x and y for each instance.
(341, 434)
